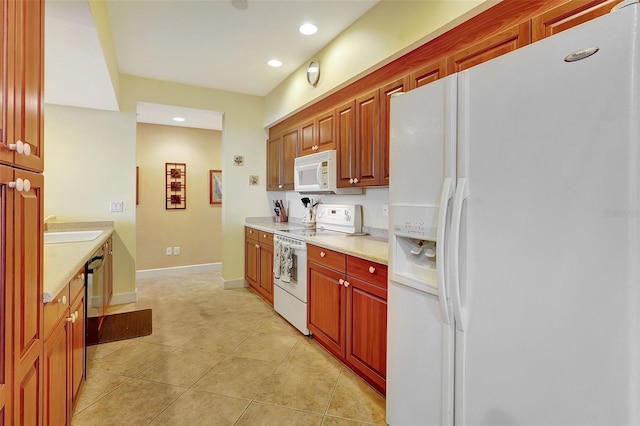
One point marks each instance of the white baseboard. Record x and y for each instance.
(237, 283)
(122, 298)
(178, 270)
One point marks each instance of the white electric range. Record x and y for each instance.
(290, 259)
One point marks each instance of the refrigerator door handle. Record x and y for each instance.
(447, 188)
(456, 222)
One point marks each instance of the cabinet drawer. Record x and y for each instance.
(367, 270)
(329, 258)
(76, 286)
(56, 309)
(251, 233)
(265, 238)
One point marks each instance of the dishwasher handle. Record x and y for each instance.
(95, 263)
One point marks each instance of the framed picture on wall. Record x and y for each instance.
(215, 186)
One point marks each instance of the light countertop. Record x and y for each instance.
(365, 247)
(63, 260)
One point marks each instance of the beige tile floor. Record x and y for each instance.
(218, 357)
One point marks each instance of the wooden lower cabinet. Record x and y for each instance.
(258, 262)
(64, 352)
(347, 311)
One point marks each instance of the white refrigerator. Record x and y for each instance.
(514, 281)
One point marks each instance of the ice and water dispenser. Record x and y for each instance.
(413, 246)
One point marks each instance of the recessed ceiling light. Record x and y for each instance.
(308, 29)
(274, 63)
(180, 119)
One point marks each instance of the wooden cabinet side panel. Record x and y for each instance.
(77, 350)
(29, 93)
(490, 48)
(273, 163)
(345, 144)
(6, 294)
(326, 313)
(289, 152)
(366, 346)
(28, 223)
(568, 15)
(55, 401)
(251, 263)
(400, 85)
(368, 139)
(266, 272)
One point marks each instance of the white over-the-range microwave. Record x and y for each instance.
(317, 174)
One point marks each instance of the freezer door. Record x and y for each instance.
(549, 252)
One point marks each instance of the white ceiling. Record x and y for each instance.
(208, 43)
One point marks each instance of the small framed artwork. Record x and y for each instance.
(215, 186)
(176, 186)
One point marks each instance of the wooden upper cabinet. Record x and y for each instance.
(367, 140)
(24, 101)
(570, 14)
(400, 85)
(281, 154)
(326, 131)
(307, 138)
(345, 142)
(427, 74)
(490, 48)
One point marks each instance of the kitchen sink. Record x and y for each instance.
(70, 236)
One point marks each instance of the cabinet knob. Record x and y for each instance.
(264, 235)
(280, 186)
(257, 246)
(355, 180)
(72, 319)
(21, 148)
(322, 254)
(371, 269)
(21, 185)
(350, 180)
(346, 284)
(341, 281)
(63, 300)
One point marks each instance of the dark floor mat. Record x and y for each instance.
(125, 325)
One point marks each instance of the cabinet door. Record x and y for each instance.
(56, 408)
(366, 347)
(368, 139)
(307, 138)
(76, 349)
(492, 47)
(107, 275)
(570, 14)
(6, 294)
(401, 85)
(266, 272)
(251, 265)
(326, 308)
(289, 151)
(346, 132)
(427, 74)
(28, 102)
(27, 308)
(273, 164)
(325, 127)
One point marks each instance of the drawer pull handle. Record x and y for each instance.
(63, 300)
(346, 284)
(371, 269)
(341, 281)
(322, 254)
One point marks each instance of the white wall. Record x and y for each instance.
(90, 161)
(388, 30)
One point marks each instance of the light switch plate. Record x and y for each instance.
(115, 207)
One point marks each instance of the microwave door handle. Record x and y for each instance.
(319, 174)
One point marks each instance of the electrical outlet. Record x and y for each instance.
(115, 207)
(176, 251)
(167, 251)
(385, 210)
